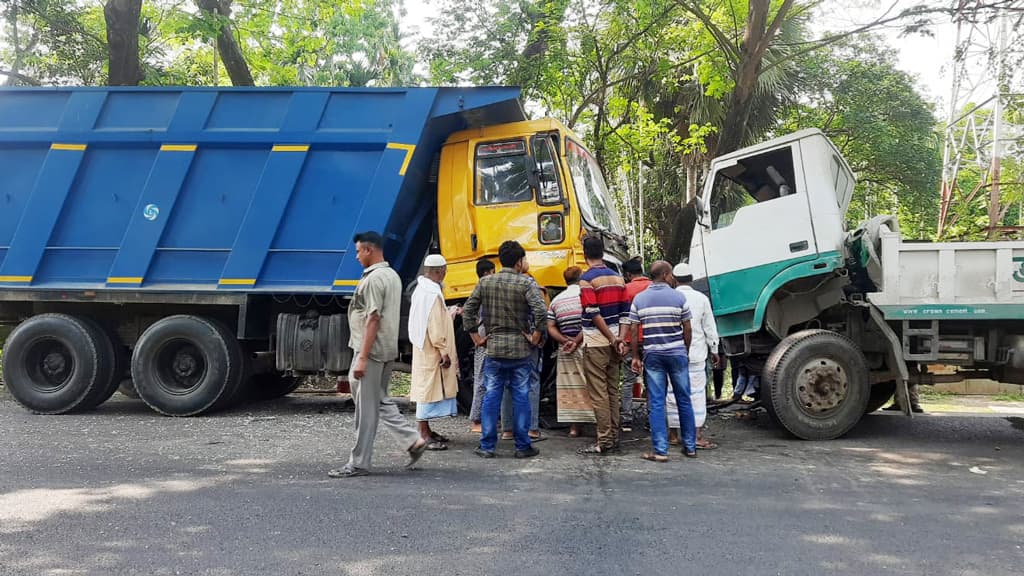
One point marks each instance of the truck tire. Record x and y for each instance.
(56, 363)
(818, 384)
(187, 365)
(115, 354)
(881, 394)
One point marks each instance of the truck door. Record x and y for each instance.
(758, 224)
(503, 194)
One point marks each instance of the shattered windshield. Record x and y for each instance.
(591, 190)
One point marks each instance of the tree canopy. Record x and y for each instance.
(657, 88)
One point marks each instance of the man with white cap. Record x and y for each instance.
(435, 373)
(705, 338)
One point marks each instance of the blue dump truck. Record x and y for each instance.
(198, 242)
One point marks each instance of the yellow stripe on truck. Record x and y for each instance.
(409, 149)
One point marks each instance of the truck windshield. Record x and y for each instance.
(502, 173)
(591, 191)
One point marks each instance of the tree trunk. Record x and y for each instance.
(12, 20)
(758, 36)
(229, 50)
(122, 17)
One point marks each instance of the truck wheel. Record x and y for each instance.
(270, 385)
(55, 363)
(115, 354)
(186, 365)
(818, 384)
(880, 396)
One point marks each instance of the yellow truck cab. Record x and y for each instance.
(530, 181)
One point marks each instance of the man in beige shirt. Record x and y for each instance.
(373, 320)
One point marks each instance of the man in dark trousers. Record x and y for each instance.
(373, 321)
(514, 316)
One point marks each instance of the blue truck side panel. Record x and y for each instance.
(255, 190)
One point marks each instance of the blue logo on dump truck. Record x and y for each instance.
(151, 211)
(1019, 274)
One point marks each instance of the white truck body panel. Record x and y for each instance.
(950, 280)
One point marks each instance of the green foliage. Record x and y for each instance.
(881, 124)
(284, 42)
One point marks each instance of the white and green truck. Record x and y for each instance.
(837, 322)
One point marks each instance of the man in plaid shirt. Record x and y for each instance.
(508, 302)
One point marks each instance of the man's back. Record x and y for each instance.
(508, 302)
(602, 293)
(660, 311)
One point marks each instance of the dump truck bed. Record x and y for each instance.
(950, 280)
(206, 189)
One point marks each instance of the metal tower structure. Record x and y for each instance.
(985, 120)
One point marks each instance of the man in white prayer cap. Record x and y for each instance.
(705, 339)
(435, 369)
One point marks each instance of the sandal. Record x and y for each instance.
(690, 454)
(706, 445)
(436, 445)
(593, 449)
(574, 433)
(438, 438)
(661, 458)
(538, 438)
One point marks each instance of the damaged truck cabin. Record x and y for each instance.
(195, 245)
(838, 322)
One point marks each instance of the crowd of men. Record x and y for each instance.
(610, 330)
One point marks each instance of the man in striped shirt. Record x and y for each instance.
(664, 317)
(603, 297)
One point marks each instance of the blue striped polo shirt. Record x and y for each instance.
(661, 311)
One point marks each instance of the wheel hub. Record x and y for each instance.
(180, 366)
(821, 386)
(50, 364)
(184, 364)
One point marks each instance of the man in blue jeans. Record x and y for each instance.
(663, 315)
(514, 317)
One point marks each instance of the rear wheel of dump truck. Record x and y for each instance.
(116, 354)
(56, 363)
(187, 365)
(880, 395)
(817, 381)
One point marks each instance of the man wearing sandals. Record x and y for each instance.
(373, 321)
(435, 377)
(663, 315)
(705, 338)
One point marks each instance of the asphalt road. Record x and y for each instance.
(124, 491)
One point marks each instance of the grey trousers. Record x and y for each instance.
(478, 383)
(373, 405)
(628, 379)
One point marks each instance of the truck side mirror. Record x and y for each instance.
(533, 173)
(701, 210)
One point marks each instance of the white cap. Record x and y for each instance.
(434, 261)
(682, 270)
